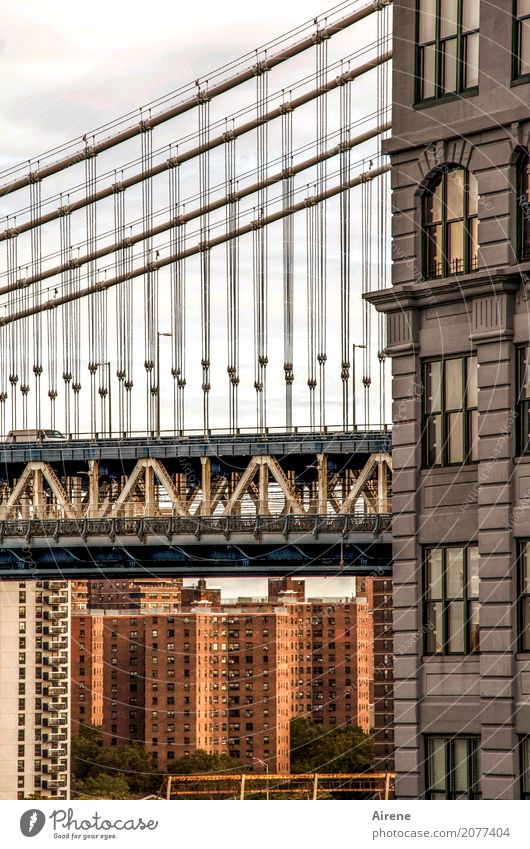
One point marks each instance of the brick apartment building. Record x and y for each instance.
(127, 594)
(228, 680)
(86, 671)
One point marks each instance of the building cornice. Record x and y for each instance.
(450, 290)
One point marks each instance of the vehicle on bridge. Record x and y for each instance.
(35, 436)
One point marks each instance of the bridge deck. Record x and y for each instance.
(216, 445)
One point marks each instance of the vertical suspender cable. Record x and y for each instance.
(204, 191)
(150, 286)
(288, 263)
(91, 236)
(311, 307)
(383, 32)
(366, 189)
(232, 280)
(12, 261)
(345, 238)
(260, 251)
(36, 265)
(178, 301)
(321, 44)
(122, 328)
(66, 315)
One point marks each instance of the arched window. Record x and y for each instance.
(450, 224)
(523, 206)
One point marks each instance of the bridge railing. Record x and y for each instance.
(198, 527)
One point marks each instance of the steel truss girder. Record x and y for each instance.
(266, 486)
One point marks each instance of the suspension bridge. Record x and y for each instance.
(181, 304)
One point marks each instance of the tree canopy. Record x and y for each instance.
(111, 772)
(201, 762)
(323, 748)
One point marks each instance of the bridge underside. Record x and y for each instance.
(231, 506)
(205, 559)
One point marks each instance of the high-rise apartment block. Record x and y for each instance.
(87, 671)
(228, 680)
(459, 335)
(127, 594)
(34, 689)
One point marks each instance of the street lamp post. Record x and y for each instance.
(266, 768)
(158, 335)
(353, 416)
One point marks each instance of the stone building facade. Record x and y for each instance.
(458, 327)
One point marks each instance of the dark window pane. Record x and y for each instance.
(455, 438)
(455, 247)
(456, 641)
(525, 583)
(525, 373)
(523, 7)
(473, 435)
(472, 194)
(524, 47)
(454, 394)
(434, 615)
(525, 624)
(470, 14)
(449, 65)
(434, 574)
(473, 244)
(434, 205)
(474, 630)
(460, 776)
(455, 193)
(472, 382)
(427, 20)
(434, 248)
(471, 43)
(448, 17)
(433, 395)
(438, 766)
(428, 71)
(454, 572)
(434, 441)
(472, 571)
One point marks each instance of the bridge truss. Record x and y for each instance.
(222, 507)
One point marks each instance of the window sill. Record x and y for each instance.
(451, 467)
(460, 656)
(522, 80)
(446, 98)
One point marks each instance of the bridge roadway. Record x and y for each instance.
(266, 504)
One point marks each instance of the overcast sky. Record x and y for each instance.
(68, 67)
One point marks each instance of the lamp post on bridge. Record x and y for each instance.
(353, 416)
(158, 335)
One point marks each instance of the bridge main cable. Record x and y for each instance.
(193, 102)
(175, 161)
(196, 213)
(196, 249)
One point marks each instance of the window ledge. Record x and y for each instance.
(446, 98)
(449, 467)
(522, 80)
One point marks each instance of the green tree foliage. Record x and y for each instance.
(132, 769)
(103, 787)
(322, 748)
(201, 762)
